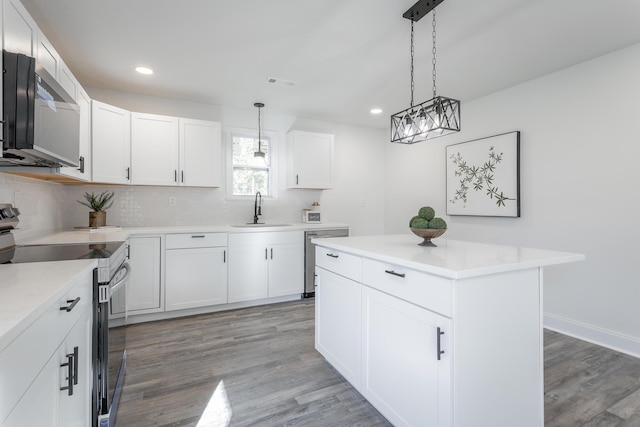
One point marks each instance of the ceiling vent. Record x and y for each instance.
(281, 82)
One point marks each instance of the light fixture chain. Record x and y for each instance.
(259, 129)
(412, 53)
(433, 50)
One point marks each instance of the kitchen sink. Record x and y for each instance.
(252, 225)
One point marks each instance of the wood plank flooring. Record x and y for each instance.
(261, 363)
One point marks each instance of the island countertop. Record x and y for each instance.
(451, 259)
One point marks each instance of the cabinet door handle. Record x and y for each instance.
(439, 350)
(297, 181)
(72, 371)
(271, 253)
(224, 256)
(198, 236)
(128, 174)
(81, 168)
(333, 255)
(72, 303)
(265, 253)
(394, 273)
(175, 175)
(182, 176)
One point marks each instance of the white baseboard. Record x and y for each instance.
(603, 337)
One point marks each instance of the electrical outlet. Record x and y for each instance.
(172, 201)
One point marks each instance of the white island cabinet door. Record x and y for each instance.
(338, 323)
(406, 366)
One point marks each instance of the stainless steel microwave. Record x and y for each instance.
(41, 122)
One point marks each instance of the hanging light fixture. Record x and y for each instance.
(433, 118)
(259, 153)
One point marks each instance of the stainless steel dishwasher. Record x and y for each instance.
(310, 255)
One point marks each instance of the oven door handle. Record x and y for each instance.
(114, 287)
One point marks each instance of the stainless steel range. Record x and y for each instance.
(109, 305)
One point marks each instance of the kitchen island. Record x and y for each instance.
(436, 336)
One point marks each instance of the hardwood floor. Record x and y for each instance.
(260, 363)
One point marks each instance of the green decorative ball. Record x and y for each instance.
(412, 219)
(419, 222)
(427, 213)
(437, 223)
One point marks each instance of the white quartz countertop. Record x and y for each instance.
(452, 259)
(121, 234)
(26, 290)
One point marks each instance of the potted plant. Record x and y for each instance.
(99, 205)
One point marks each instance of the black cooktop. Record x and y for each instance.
(39, 253)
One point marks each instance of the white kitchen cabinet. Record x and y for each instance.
(154, 149)
(406, 364)
(196, 270)
(83, 171)
(47, 56)
(67, 80)
(200, 153)
(34, 383)
(265, 265)
(20, 30)
(110, 143)
(144, 286)
(339, 322)
(309, 160)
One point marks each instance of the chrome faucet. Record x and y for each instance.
(257, 208)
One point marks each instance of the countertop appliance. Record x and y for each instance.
(109, 305)
(41, 120)
(310, 255)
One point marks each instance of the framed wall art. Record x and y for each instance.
(483, 176)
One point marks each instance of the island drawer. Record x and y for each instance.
(431, 292)
(195, 240)
(344, 264)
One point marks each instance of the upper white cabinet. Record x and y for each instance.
(309, 160)
(154, 149)
(47, 56)
(67, 80)
(83, 171)
(200, 153)
(20, 30)
(110, 143)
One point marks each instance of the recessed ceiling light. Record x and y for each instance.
(144, 70)
(376, 110)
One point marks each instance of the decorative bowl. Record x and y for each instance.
(427, 234)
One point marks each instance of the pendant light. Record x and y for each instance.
(433, 118)
(259, 153)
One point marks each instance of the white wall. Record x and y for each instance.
(359, 180)
(579, 148)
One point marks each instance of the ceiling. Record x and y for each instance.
(345, 56)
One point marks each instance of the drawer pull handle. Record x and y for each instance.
(439, 350)
(394, 273)
(72, 303)
(332, 255)
(199, 236)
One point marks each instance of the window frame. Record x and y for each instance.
(272, 169)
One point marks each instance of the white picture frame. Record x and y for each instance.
(483, 176)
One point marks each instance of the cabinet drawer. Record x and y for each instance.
(431, 292)
(341, 263)
(21, 361)
(195, 240)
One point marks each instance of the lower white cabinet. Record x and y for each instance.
(196, 270)
(51, 386)
(406, 366)
(265, 265)
(339, 322)
(144, 287)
